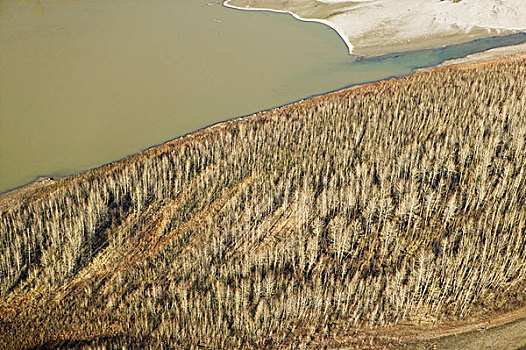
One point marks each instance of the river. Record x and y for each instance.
(87, 82)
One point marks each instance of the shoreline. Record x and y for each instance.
(64, 170)
(368, 38)
(481, 59)
(350, 47)
(477, 59)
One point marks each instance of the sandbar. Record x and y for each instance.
(377, 27)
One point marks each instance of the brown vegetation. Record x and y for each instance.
(394, 203)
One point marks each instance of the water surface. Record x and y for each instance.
(86, 82)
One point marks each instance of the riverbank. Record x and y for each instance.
(377, 27)
(87, 83)
(507, 53)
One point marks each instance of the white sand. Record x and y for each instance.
(382, 26)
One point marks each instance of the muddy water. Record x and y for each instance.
(87, 82)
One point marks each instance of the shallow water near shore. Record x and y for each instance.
(87, 82)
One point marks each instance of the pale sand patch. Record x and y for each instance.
(377, 27)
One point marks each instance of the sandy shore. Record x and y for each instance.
(377, 27)
(341, 33)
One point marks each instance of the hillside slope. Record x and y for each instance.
(395, 203)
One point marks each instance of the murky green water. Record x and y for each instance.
(86, 82)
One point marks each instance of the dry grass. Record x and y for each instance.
(399, 202)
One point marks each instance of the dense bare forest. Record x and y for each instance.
(396, 202)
